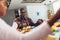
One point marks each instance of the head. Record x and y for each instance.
(22, 11)
(3, 7)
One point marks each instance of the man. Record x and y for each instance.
(23, 19)
(9, 33)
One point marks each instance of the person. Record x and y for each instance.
(9, 33)
(25, 19)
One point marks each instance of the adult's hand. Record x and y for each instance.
(54, 18)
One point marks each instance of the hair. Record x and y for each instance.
(22, 10)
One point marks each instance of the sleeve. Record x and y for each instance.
(39, 32)
(31, 22)
(9, 33)
(17, 20)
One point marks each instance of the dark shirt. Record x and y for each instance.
(26, 20)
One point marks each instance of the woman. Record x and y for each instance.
(9, 33)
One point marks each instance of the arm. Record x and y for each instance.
(31, 22)
(39, 32)
(40, 21)
(54, 18)
(17, 20)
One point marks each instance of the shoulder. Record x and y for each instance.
(3, 23)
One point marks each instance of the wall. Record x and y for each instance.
(9, 17)
(56, 6)
(36, 12)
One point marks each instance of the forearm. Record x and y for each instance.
(52, 21)
(54, 18)
(39, 32)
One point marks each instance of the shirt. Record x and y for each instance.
(10, 33)
(24, 19)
